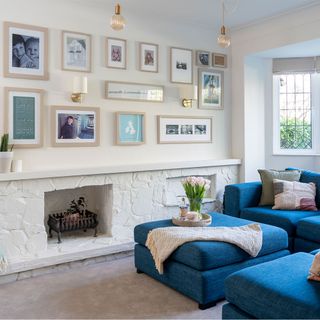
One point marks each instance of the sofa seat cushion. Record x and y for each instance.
(276, 290)
(285, 219)
(309, 228)
(206, 255)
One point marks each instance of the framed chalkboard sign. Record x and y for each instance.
(23, 114)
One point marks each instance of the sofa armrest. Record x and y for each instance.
(240, 196)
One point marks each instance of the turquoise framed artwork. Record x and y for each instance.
(130, 128)
(23, 111)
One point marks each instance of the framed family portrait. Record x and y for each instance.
(134, 91)
(203, 58)
(76, 51)
(75, 127)
(210, 86)
(179, 129)
(116, 53)
(181, 65)
(25, 51)
(149, 57)
(130, 128)
(24, 117)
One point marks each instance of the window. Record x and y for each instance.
(295, 120)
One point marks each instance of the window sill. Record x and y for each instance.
(297, 154)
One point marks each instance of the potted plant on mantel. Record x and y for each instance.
(5, 155)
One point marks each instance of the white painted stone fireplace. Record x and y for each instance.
(122, 197)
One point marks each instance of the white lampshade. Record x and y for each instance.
(188, 92)
(80, 85)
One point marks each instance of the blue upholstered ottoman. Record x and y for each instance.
(273, 290)
(198, 269)
(308, 234)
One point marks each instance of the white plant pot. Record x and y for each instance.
(5, 161)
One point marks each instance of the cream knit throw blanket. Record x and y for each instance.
(163, 241)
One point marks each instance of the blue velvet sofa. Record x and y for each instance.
(303, 227)
(277, 289)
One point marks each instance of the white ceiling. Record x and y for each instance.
(206, 13)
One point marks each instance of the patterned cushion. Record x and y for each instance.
(294, 195)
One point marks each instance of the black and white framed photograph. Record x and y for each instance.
(210, 86)
(203, 58)
(181, 65)
(148, 57)
(116, 53)
(25, 51)
(76, 51)
(179, 129)
(75, 127)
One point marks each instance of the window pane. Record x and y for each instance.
(299, 82)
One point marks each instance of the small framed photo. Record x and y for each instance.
(75, 127)
(181, 65)
(219, 60)
(203, 58)
(25, 51)
(116, 50)
(23, 114)
(179, 129)
(149, 57)
(210, 88)
(130, 128)
(76, 51)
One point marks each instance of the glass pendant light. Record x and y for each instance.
(224, 41)
(117, 21)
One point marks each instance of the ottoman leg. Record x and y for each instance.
(207, 305)
(139, 271)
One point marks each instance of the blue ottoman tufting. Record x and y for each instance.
(198, 269)
(274, 290)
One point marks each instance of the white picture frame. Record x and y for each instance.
(116, 53)
(181, 65)
(148, 57)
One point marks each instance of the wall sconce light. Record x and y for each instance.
(80, 88)
(188, 94)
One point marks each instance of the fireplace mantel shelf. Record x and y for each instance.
(73, 172)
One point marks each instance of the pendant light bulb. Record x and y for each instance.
(117, 21)
(224, 41)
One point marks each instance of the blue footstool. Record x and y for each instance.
(273, 290)
(198, 269)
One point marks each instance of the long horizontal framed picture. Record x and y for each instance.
(76, 51)
(178, 129)
(75, 126)
(134, 91)
(25, 51)
(210, 89)
(23, 117)
(130, 127)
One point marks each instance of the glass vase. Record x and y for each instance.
(195, 205)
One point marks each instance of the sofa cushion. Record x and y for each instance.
(205, 255)
(276, 290)
(309, 228)
(286, 220)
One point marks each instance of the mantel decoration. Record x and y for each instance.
(5, 155)
(195, 189)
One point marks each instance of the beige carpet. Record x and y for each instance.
(110, 290)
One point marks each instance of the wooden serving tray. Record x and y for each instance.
(205, 221)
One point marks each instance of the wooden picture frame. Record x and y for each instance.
(148, 57)
(116, 53)
(25, 53)
(210, 89)
(219, 60)
(181, 65)
(65, 134)
(23, 114)
(130, 128)
(184, 129)
(203, 58)
(76, 51)
(141, 92)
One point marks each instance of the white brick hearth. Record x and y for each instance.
(132, 195)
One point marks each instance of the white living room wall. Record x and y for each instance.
(250, 41)
(90, 17)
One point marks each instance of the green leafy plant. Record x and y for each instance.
(4, 147)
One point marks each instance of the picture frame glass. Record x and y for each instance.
(181, 66)
(116, 53)
(148, 57)
(24, 117)
(76, 51)
(130, 128)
